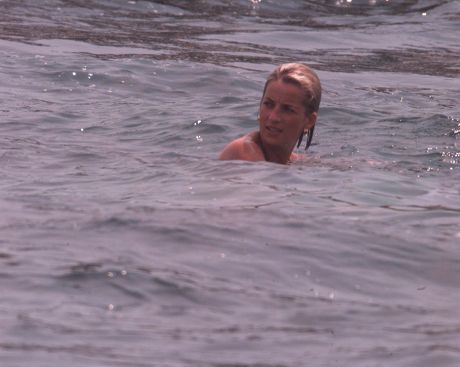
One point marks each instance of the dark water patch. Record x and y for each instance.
(103, 281)
(217, 364)
(292, 9)
(8, 260)
(175, 42)
(440, 62)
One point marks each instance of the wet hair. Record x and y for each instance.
(305, 78)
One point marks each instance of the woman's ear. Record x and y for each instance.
(311, 120)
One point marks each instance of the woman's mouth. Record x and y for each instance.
(273, 130)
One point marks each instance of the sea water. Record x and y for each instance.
(125, 242)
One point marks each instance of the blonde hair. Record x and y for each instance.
(302, 76)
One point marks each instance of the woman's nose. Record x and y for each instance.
(275, 114)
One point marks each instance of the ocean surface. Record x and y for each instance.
(125, 242)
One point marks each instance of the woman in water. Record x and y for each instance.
(287, 112)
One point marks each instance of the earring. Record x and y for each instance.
(309, 137)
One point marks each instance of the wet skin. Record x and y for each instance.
(282, 119)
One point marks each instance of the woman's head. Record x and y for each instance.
(305, 98)
(302, 76)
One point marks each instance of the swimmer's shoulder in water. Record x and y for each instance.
(245, 148)
(287, 112)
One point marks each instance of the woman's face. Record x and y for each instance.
(282, 115)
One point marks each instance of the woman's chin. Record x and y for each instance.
(271, 139)
(275, 145)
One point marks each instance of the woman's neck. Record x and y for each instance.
(276, 155)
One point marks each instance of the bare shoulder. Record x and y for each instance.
(244, 148)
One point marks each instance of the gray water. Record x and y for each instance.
(125, 242)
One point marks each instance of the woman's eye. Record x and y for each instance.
(268, 103)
